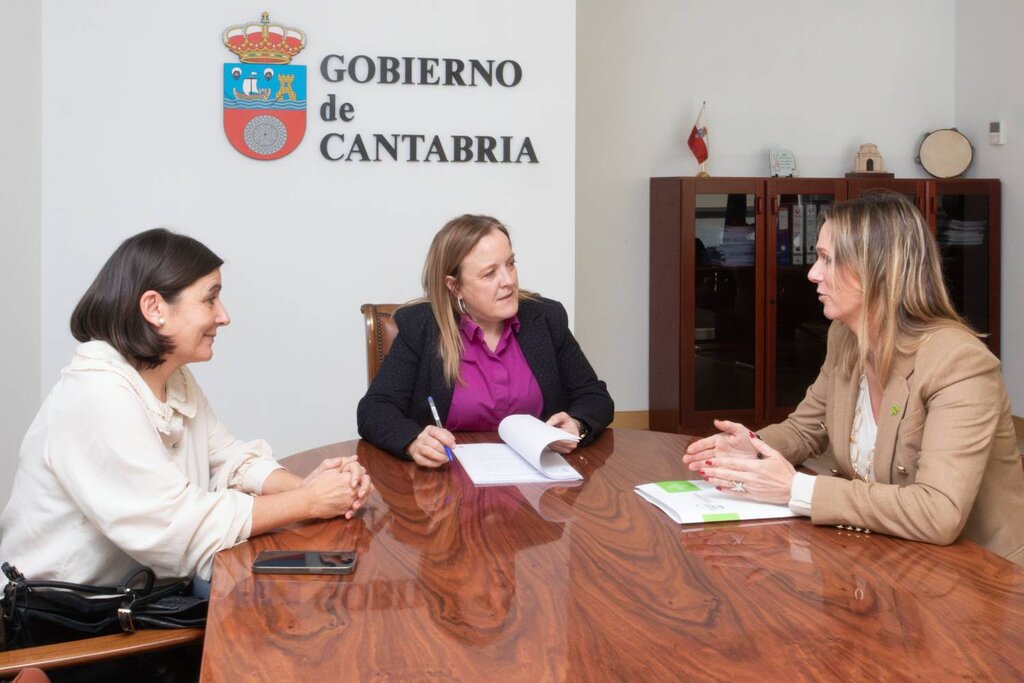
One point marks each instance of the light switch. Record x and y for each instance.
(995, 133)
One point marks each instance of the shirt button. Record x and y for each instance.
(174, 445)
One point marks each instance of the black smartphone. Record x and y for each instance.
(305, 562)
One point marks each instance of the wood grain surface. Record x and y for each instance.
(75, 652)
(591, 583)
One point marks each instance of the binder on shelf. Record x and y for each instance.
(782, 237)
(797, 232)
(810, 233)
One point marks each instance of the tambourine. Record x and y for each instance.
(945, 153)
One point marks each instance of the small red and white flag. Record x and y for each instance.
(698, 140)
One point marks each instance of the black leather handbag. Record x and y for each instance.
(45, 612)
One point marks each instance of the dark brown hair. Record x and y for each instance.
(157, 260)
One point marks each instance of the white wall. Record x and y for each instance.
(132, 138)
(990, 56)
(19, 235)
(116, 162)
(818, 78)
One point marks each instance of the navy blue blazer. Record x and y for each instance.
(394, 410)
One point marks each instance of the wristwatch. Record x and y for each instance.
(583, 427)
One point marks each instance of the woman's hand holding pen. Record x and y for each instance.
(735, 460)
(427, 449)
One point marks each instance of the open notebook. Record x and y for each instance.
(523, 458)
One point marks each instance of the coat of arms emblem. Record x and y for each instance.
(264, 95)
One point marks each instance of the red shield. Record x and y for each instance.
(264, 108)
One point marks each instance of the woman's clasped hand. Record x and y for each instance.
(338, 486)
(736, 460)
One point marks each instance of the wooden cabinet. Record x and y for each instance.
(736, 330)
(965, 217)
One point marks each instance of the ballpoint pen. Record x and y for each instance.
(437, 421)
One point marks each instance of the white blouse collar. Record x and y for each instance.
(181, 386)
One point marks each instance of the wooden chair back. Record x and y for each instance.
(381, 331)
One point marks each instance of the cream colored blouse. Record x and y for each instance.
(110, 478)
(863, 434)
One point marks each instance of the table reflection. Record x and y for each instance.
(588, 582)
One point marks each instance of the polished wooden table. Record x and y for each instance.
(591, 583)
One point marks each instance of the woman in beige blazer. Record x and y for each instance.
(909, 400)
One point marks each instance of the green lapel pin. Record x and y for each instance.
(895, 411)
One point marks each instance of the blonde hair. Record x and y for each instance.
(883, 240)
(449, 248)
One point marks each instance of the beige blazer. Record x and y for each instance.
(946, 459)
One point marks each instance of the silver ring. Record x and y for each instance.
(738, 487)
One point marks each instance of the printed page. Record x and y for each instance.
(496, 463)
(530, 437)
(689, 502)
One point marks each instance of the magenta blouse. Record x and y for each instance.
(495, 384)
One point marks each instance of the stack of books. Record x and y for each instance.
(952, 231)
(737, 247)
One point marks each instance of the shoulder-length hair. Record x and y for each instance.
(449, 247)
(157, 260)
(884, 242)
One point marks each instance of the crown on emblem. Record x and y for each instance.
(264, 43)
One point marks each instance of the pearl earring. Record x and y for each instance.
(160, 322)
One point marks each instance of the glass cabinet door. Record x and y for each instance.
(725, 301)
(797, 326)
(966, 229)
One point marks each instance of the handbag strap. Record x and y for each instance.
(126, 583)
(132, 614)
(11, 572)
(125, 587)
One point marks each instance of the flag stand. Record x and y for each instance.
(697, 142)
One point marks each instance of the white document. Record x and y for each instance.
(523, 458)
(690, 502)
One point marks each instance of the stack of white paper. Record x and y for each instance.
(524, 457)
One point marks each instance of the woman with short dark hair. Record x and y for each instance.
(126, 463)
(156, 260)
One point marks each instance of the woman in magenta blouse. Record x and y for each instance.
(483, 350)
